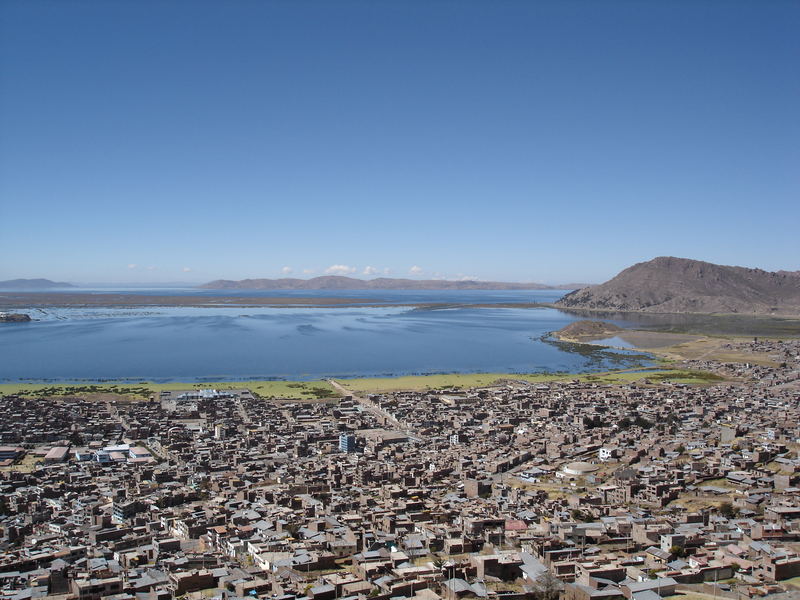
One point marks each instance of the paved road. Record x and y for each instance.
(242, 412)
(375, 410)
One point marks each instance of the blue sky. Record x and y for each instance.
(527, 141)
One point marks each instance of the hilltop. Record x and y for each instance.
(338, 282)
(32, 284)
(680, 285)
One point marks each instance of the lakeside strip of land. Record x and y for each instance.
(37, 300)
(84, 300)
(321, 389)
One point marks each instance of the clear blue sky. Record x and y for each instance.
(529, 141)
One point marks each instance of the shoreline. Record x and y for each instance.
(610, 312)
(671, 347)
(43, 300)
(37, 301)
(300, 389)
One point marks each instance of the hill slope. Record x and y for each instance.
(338, 282)
(680, 285)
(32, 284)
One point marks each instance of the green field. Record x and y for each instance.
(794, 582)
(306, 390)
(468, 380)
(310, 390)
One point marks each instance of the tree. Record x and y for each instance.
(547, 586)
(678, 551)
(727, 510)
(578, 515)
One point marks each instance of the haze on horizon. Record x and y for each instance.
(552, 142)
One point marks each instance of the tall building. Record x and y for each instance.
(347, 442)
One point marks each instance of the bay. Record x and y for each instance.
(194, 344)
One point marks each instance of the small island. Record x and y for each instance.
(14, 317)
(587, 331)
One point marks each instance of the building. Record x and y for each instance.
(124, 510)
(347, 443)
(10, 454)
(57, 454)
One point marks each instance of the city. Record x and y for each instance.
(514, 491)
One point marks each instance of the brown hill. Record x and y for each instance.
(680, 285)
(338, 282)
(587, 330)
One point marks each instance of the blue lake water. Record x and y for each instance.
(615, 342)
(231, 343)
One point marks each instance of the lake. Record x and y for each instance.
(233, 343)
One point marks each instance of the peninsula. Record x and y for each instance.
(116, 300)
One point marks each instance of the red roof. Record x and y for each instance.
(516, 525)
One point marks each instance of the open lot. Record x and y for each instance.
(467, 380)
(700, 348)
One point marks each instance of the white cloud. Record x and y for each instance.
(286, 270)
(340, 270)
(308, 271)
(415, 270)
(152, 268)
(132, 266)
(186, 269)
(370, 270)
(461, 277)
(387, 271)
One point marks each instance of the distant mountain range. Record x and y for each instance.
(680, 285)
(338, 282)
(32, 284)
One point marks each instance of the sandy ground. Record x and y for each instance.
(704, 348)
(684, 346)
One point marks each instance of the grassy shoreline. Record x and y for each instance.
(143, 389)
(319, 389)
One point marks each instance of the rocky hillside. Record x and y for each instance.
(681, 285)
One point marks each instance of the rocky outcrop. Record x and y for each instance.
(14, 318)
